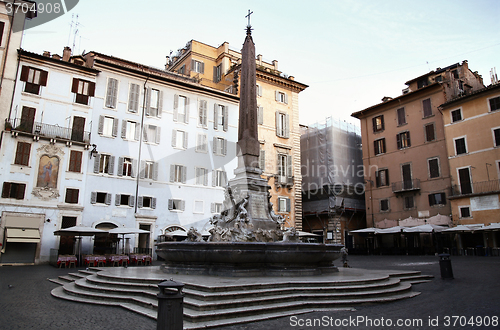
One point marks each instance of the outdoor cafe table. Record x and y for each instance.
(119, 258)
(93, 259)
(135, 258)
(66, 259)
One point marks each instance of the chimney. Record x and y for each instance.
(89, 60)
(46, 53)
(275, 64)
(66, 54)
(56, 57)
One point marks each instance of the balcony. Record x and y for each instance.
(475, 189)
(283, 181)
(406, 186)
(46, 131)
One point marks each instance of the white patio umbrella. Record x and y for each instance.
(366, 230)
(493, 226)
(306, 234)
(124, 231)
(428, 228)
(458, 229)
(392, 230)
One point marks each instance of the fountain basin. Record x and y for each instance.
(248, 258)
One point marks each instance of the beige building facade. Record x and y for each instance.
(278, 115)
(404, 150)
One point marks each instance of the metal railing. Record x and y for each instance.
(403, 186)
(47, 131)
(484, 187)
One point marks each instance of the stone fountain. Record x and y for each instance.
(247, 238)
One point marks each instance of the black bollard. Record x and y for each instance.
(170, 306)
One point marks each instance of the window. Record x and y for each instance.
(124, 200)
(284, 204)
(378, 124)
(201, 143)
(33, 78)
(427, 108)
(126, 167)
(83, 90)
(408, 202)
(456, 115)
(202, 114)
(197, 66)
(282, 125)
(401, 116)
(104, 163)
(403, 140)
(220, 146)
(2, 26)
(111, 93)
(152, 134)
(221, 117)
(201, 176)
(22, 153)
(260, 115)
(437, 199)
(464, 212)
(75, 161)
(496, 137)
(217, 73)
(108, 126)
(285, 173)
(13, 190)
(494, 103)
(434, 170)
(130, 130)
(154, 102)
(460, 146)
(181, 109)
(146, 202)
(281, 97)
(182, 69)
(219, 178)
(422, 82)
(430, 134)
(216, 207)
(384, 205)
(178, 173)
(176, 204)
(382, 178)
(179, 139)
(379, 146)
(71, 196)
(149, 170)
(465, 181)
(98, 197)
(133, 98)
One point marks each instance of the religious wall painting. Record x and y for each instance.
(48, 172)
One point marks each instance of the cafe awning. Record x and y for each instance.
(23, 235)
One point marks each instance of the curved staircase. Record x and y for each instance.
(216, 301)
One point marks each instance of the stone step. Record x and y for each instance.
(97, 280)
(57, 281)
(66, 278)
(85, 284)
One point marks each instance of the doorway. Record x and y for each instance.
(144, 240)
(67, 243)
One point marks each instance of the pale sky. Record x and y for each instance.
(350, 53)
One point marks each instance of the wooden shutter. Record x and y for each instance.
(186, 110)
(408, 138)
(185, 142)
(278, 124)
(74, 86)
(155, 171)
(215, 145)
(91, 90)
(205, 177)
(429, 132)
(145, 133)
(176, 106)
(260, 115)
(100, 128)
(21, 188)
(286, 98)
(111, 165)
(214, 177)
(153, 202)
(182, 205)
(97, 161)
(174, 138)
(215, 80)
(289, 165)
(216, 116)
(287, 126)
(120, 166)
(226, 118)
(172, 172)
(148, 101)
(117, 199)
(111, 93)
(115, 127)
(93, 197)
(160, 104)
(131, 201)
(170, 204)
(133, 104)
(398, 140)
(142, 171)
(24, 73)
(108, 199)
(183, 173)
(134, 168)
(224, 148)
(288, 205)
(124, 129)
(277, 96)
(140, 201)
(137, 131)
(43, 78)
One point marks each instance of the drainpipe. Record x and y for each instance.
(140, 147)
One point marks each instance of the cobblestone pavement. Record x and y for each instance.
(26, 303)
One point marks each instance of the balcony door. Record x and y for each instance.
(77, 130)
(465, 181)
(406, 173)
(27, 119)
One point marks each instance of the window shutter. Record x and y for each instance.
(288, 204)
(226, 118)
(115, 126)
(170, 204)
(91, 91)
(262, 160)
(215, 145)
(145, 133)
(182, 205)
(109, 93)
(155, 171)
(432, 200)
(153, 202)
(93, 197)
(148, 101)
(134, 168)
(383, 146)
(133, 98)
(108, 199)
(97, 160)
(260, 115)
(185, 142)
(374, 123)
(205, 177)
(224, 178)
(176, 106)
(398, 140)
(215, 80)
(202, 68)
(224, 150)
(278, 125)
(100, 128)
(124, 129)
(43, 78)
(375, 148)
(74, 86)
(277, 96)
(289, 165)
(212, 207)
(215, 116)
(24, 73)
(287, 126)
(183, 173)
(408, 138)
(174, 138)
(21, 188)
(140, 201)
(111, 165)
(158, 134)
(120, 166)
(278, 164)
(172, 172)
(137, 131)
(131, 201)
(117, 199)
(142, 172)
(160, 104)
(214, 177)
(205, 114)
(286, 98)
(114, 90)
(186, 117)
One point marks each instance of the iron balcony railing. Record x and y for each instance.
(402, 186)
(47, 131)
(484, 187)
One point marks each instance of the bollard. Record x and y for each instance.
(445, 265)
(170, 306)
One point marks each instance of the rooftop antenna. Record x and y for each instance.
(493, 76)
(75, 33)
